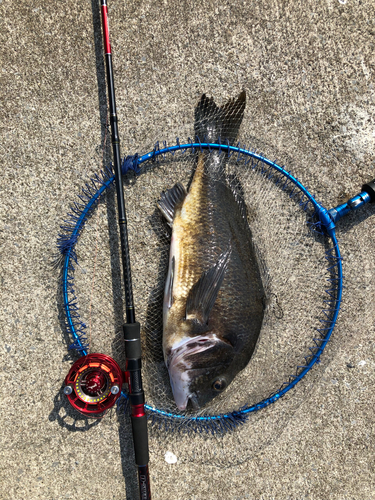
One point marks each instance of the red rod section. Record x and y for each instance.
(107, 45)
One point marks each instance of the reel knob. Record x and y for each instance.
(93, 384)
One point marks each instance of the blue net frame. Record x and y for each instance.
(321, 221)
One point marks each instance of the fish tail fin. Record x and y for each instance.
(214, 123)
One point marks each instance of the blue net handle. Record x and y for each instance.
(92, 194)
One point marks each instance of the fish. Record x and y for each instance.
(213, 303)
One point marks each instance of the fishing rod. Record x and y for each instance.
(131, 328)
(94, 382)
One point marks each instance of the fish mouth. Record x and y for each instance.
(178, 366)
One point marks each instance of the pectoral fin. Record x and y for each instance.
(202, 296)
(170, 200)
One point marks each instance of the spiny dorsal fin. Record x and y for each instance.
(169, 201)
(203, 294)
(239, 194)
(213, 122)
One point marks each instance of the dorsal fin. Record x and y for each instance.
(239, 194)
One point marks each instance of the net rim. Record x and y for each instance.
(82, 211)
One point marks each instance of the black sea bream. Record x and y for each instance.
(213, 301)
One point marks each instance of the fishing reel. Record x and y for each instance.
(94, 384)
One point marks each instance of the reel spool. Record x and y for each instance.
(94, 384)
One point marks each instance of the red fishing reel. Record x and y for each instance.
(94, 384)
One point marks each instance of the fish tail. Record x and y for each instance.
(214, 123)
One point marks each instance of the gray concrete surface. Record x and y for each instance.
(308, 68)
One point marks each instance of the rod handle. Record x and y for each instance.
(140, 437)
(144, 482)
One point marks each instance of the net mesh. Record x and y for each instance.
(293, 265)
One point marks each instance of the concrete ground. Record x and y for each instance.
(308, 68)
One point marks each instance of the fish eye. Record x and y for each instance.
(219, 384)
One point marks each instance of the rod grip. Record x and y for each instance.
(140, 437)
(132, 336)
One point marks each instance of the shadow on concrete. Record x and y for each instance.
(69, 418)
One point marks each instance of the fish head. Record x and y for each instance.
(199, 369)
